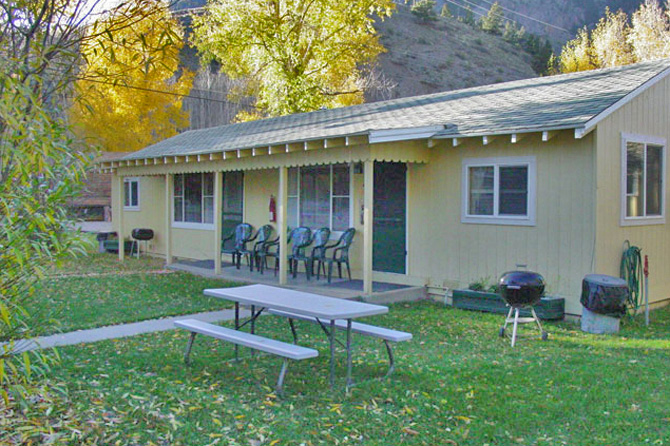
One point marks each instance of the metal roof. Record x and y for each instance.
(543, 103)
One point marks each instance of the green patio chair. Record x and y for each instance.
(271, 249)
(340, 255)
(238, 241)
(302, 238)
(319, 241)
(251, 254)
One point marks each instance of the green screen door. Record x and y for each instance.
(389, 219)
(233, 201)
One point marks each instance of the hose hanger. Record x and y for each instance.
(632, 271)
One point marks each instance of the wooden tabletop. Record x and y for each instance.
(308, 304)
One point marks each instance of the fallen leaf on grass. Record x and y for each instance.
(409, 431)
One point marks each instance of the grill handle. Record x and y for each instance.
(513, 287)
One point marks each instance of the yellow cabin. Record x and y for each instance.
(551, 174)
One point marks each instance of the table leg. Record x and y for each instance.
(237, 327)
(253, 325)
(348, 353)
(332, 353)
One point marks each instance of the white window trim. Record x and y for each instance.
(191, 225)
(333, 234)
(199, 226)
(526, 220)
(123, 193)
(642, 139)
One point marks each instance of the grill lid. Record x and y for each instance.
(521, 288)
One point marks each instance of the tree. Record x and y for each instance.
(424, 10)
(512, 33)
(650, 32)
(611, 40)
(616, 41)
(446, 12)
(41, 169)
(577, 54)
(493, 21)
(469, 18)
(119, 91)
(299, 55)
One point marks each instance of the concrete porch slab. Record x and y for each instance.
(342, 288)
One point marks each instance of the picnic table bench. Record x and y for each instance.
(283, 349)
(330, 313)
(385, 334)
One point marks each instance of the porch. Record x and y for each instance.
(382, 292)
(195, 202)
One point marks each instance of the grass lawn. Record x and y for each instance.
(72, 303)
(95, 289)
(457, 383)
(94, 262)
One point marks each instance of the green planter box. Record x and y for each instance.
(113, 245)
(549, 308)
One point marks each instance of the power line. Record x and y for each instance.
(502, 16)
(153, 90)
(528, 17)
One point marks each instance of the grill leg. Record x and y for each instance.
(509, 317)
(516, 323)
(537, 321)
(189, 345)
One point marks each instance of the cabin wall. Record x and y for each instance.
(648, 115)
(151, 214)
(451, 254)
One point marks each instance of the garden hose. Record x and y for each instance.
(632, 272)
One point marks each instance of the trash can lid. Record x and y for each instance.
(604, 280)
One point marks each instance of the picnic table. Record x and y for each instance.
(299, 303)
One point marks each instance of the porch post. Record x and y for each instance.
(119, 217)
(169, 190)
(218, 219)
(281, 223)
(368, 201)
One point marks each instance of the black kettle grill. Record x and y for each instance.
(140, 235)
(521, 289)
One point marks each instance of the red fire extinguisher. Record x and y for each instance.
(273, 209)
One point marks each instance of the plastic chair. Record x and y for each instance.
(262, 236)
(319, 240)
(302, 238)
(266, 250)
(340, 254)
(240, 236)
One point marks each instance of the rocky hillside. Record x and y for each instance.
(556, 19)
(421, 58)
(444, 55)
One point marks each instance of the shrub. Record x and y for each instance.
(424, 10)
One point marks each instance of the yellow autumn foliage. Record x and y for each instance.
(130, 87)
(617, 40)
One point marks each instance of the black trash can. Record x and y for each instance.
(604, 300)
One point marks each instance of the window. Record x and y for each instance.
(643, 180)
(319, 197)
(131, 194)
(194, 200)
(499, 191)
